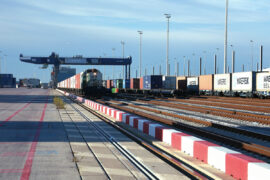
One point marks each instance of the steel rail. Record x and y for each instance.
(144, 169)
(185, 168)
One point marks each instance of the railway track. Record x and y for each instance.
(229, 101)
(262, 119)
(251, 147)
(236, 99)
(218, 104)
(191, 172)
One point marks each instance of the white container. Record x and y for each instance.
(222, 82)
(72, 82)
(168, 82)
(193, 83)
(243, 81)
(263, 81)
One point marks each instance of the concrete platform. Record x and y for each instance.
(33, 142)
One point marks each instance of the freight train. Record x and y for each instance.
(87, 83)
(244, 84)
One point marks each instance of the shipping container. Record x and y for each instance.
(111, 83)
(134, 83)
(263, 84)
(141, 82)
(108, 84)
(193, 84)
(169, 82)
(126, 84)
(263, 81)
(222, 82)
(152, 82)
(244, 82)
(115, 83)
(33, 82)
(115, 90)
(7, 76)
(181, 83)
(206, 84)
(119, 83)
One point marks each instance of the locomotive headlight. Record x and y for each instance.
(95, 73)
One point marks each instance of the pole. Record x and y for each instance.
(113, 49)
(168, 16)
(251, 43)
(200, 66)
(184, 70)
(177, 69)
(153, 70)
(215, 64)
(140, 64)
(123, 51)
(192, 63)
(243, 67)
(159, 69)
(226, 36)
(188, 67)
(145, 72)
(233, 61)
(0, 65)
(261, 58)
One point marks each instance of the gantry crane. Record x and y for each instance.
(55, 60)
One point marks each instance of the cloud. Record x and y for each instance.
(190, 12)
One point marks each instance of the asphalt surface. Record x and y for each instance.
(33, 141)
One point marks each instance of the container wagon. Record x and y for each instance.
(134, 83)
(244, 84)
(206, 84)
(169, 82)
(223, 84)
(263, 84)
(152, 82)
(193, 85)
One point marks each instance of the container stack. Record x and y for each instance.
(7, 81)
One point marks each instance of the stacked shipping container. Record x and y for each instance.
(7, 81)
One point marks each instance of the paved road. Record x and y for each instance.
(33, 142)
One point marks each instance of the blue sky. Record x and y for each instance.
(93, 27)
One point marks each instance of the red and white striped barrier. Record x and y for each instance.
(231, 162)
